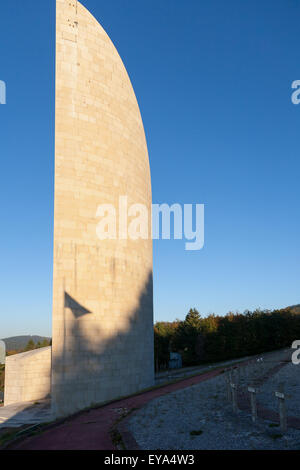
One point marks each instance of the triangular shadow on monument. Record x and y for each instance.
(77, 309)
(102, 365)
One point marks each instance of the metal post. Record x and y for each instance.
(252, 391)
(282, 407)
(246, 373)
(234, 397)
(228, 387)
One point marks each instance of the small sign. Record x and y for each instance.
(251, 390)
(279, 394)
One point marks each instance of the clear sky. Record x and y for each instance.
(213, 80)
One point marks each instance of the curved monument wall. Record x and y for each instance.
(102, 289)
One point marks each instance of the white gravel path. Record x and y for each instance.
(200, 417)
(289, 375)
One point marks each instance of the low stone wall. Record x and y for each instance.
(2, 352)
(28, 376)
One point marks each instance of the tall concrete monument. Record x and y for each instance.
(102, 332)
(102, 290)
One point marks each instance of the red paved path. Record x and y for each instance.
(90, 430)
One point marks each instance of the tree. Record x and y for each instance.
(30, 345)
(193, 319)
(187, 340)
(163, 334)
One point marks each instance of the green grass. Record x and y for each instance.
(30, 430)
(6, 437)
(116, 438)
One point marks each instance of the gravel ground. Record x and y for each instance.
(289, 375)
(200, 417)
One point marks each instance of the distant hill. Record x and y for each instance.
(20, 342)
(294, 308)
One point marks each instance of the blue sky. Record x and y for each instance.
(213, 80)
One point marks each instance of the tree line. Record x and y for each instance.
(31, 345)
(40, 344)
(218, 338)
